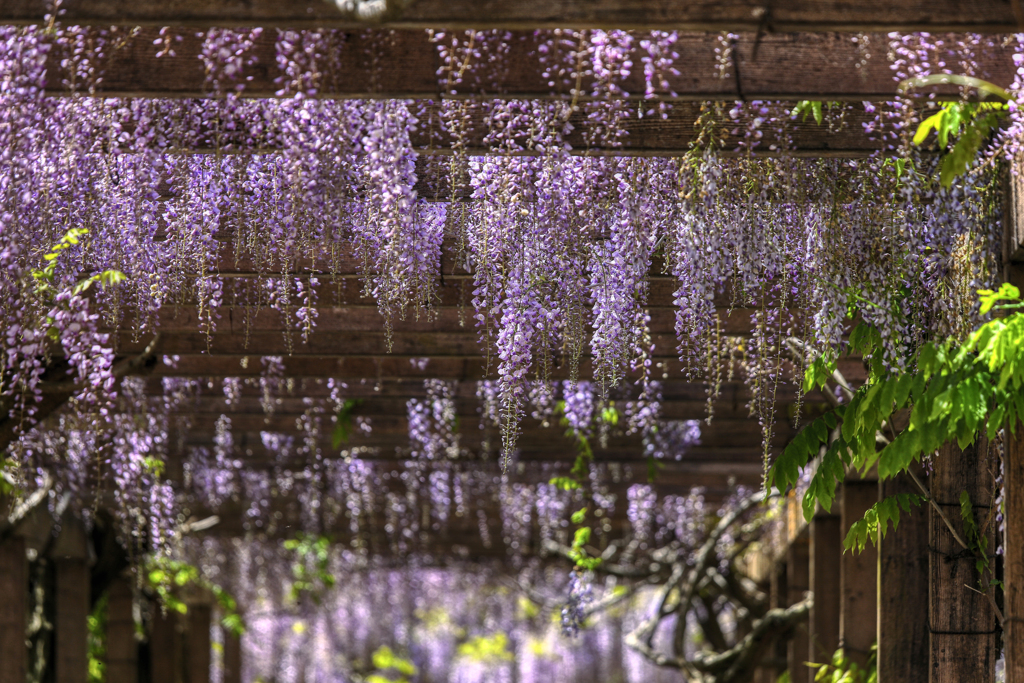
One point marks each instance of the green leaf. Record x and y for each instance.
(875, 522)
(579, 516)
(564, 483)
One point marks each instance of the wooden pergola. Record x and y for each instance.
(908, 595)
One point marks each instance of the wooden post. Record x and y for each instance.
(858, 612)
(798, 582)
(826, 554)
(70, 555)
(198, 642)
(903, 591)
(1013, 556)
(1013, 464)
(232, 657)
(13, 615)
(165, 649)
(122, 648)
(962, 623)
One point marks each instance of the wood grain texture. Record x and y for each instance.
(704, 15)
(903, 592)
(826, 552)
(122, 648)
(798, 582)
(1013, 557)
(404, 64)
(962, 624)
(70, 622)
(13, 616)
(858, 580)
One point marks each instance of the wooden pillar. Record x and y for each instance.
(197, 642)
(1013, 556)
(1013, 466)
(122, 647)
(70, 555)
(826, 555)
(165, 648)
(858, 611)
(798, 582)
(962, 623)
(903, 591)
(233, 657)
(13, 615)
(773, 662)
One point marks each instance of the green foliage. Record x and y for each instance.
(969, 123)
(875, 523)
(96, 639)
(44, 276)
(166, 577)
(578, 554)
(389, 664)
(842, 670)
(953, 393)
(976, 539)
(311, 573)
(487, 649)
(564, 483)
(813, 108)
(579, 516)
(343, 423)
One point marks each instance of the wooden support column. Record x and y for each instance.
(70, 555)
(166, 653)
(798, 582)
(1013, 556)
(14, 599)
(962, 623)
(858, 612)
(197, 643)
(233, 657)
(903, 591)
(122, 648)
(826, 555)
(1013, 464)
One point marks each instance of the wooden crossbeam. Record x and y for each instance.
(736, 15)
(405, 65)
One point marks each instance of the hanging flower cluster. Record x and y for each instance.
(561, 245)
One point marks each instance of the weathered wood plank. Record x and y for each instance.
(402, 65)
(903, 592)
(826, 551)
(70, 554)
(1013, 557)
(13, 617)
(122, 648)
(961, 621)
(734, 15)
(798, 582)
(858, 579)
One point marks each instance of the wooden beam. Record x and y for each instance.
(232, 657)
(197, 643)
(165, 646)
(1013, 462)
(903, 591)
(13, 616)
(826, 553)
(858, 577)
(738, 15)
(798, 582)
(962, 624)
(122, 648)
(381, 64)
(70, 555)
